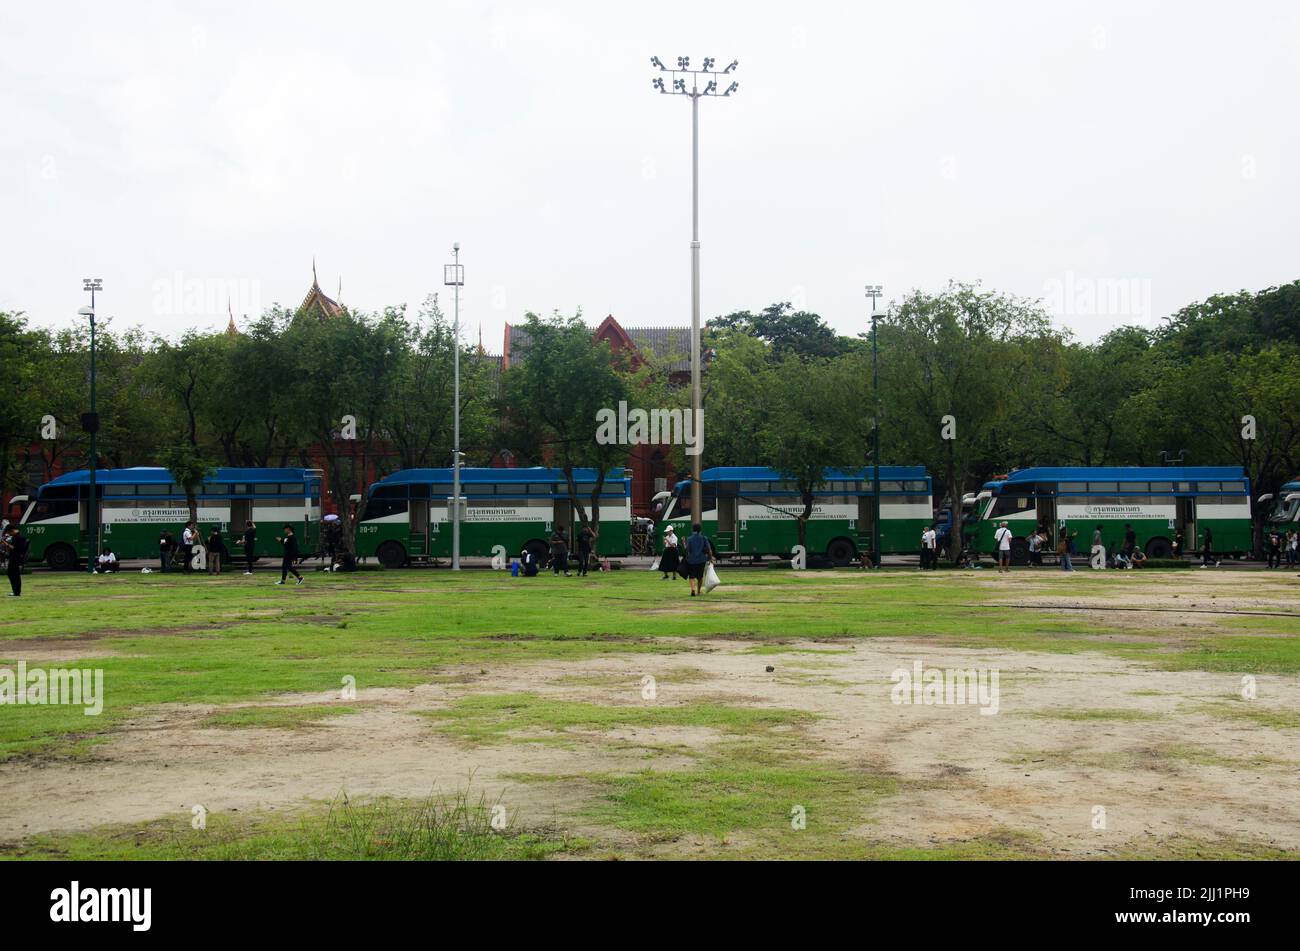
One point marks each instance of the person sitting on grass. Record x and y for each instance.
(107, 562)
(1138, 558)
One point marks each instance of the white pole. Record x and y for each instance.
(455, 439)
(696, 487)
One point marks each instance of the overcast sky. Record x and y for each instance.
(1118, 160)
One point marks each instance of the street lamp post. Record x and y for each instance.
(873, 291)
(679, 80)
(90, 422)
(453, 275)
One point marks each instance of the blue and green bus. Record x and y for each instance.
(1156, 501)
(407, 515)
(752, 510)
(136, 505)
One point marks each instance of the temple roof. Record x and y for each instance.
(317, 299)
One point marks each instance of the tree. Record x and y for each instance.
(188, 469)
(564, 381)
(787, 330)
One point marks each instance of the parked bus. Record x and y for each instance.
(136, 505)
(407, 515)
(1157, 501)
(752, 510)
(1284, 514)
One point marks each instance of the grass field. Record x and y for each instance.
(421, 714)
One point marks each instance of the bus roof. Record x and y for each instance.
(475, 475)
(156, 475)
(766, 474)
(1123, 474)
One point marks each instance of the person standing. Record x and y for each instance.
(586, 540)
(699, 553)
(166, 547)
(249, 542)
(217, 550)
(1274, 549)
(1178, 544)
(668, 560)
(290, 542)
(929, 548)
(16, 546)
(1292, 548)
(189, 538)
(1068, 549)
(559, 552)
(1002, 542)
(1207, 549)
(1098, 551)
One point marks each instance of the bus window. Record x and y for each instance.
(1010, 504)
(381, 507)
(45, 509)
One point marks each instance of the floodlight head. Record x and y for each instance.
(655, 61)
(711, 88)
(683, 62)
(658, 83)
(679, 85)
(734, 64)
(86, 312)
(708, 64)
(92, 284)
(874, 290)
(732, 88)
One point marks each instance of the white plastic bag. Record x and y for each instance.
(654, 565)
(710, 577)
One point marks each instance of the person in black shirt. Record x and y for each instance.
(290, 543)
(586, 538)
(166, 546)
(16, 546)
(249, 542)
(217, 551)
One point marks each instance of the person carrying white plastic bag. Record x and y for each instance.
(699, 557)
(710, 578)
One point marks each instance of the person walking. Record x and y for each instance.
(290, 542)
(217, 551)
(699, 554)
(16, 547)
(1002, 542)
(559, 552)
(669, 559)
(1207, 549)
(1098, 551)
(586, 541)
(249, 542)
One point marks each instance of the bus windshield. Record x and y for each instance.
(1285, 510)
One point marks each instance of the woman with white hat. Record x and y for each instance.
(668, 560)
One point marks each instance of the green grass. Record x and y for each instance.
(491, 718)
(438, 828)
(274, 718)
(243, 645)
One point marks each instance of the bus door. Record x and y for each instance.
(726, 532)
(241, 512)
(1046, 514)
(866, 519)
(562, 516)
(1185, 521)
(417, 540)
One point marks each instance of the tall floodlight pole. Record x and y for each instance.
(453, 275)
(90, 422)
(680, 81)
(873, 291)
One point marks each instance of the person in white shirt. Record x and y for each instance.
(929, 542)
(1002, 539)
(107, 562)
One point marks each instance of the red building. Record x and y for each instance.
(667, 347)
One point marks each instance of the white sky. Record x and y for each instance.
(1145, 152)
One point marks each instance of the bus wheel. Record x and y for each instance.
(1019, 551)
(1159, 548)
(840, 552)
(61, 558)
(391, 555)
